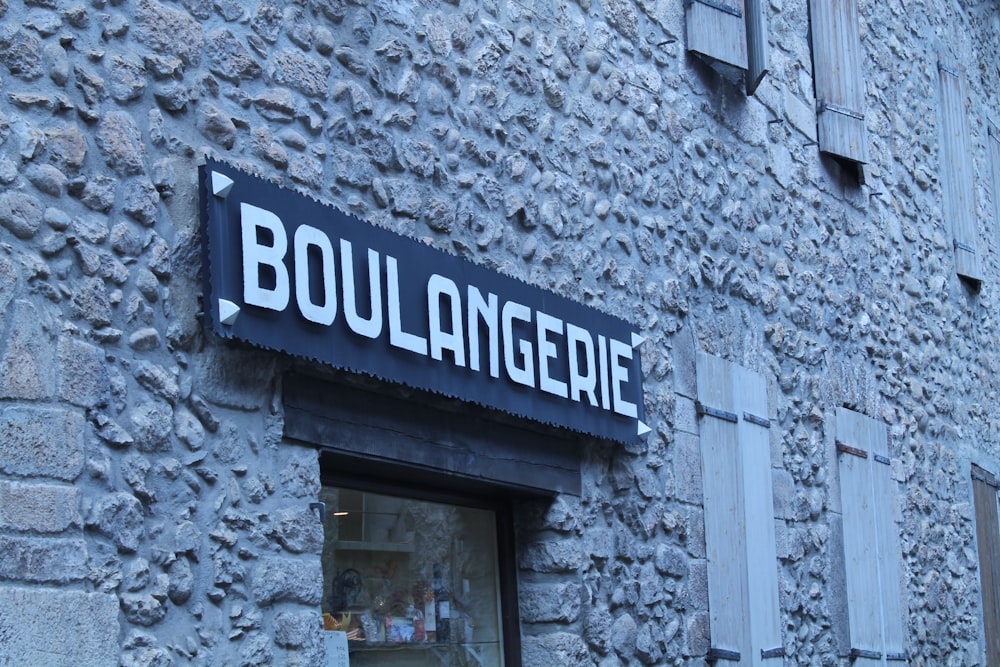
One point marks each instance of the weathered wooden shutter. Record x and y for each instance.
(716, 28)
(984, 495)
(839, 79)
(871, 541)
(994, 141)
(957, 174)
(733, 32)
(758, 59)
(758, 500)
(739, 514)
(890, 552)
(725, 518)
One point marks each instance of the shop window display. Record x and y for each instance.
(411, 582)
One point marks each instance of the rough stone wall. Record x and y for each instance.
(144, 489)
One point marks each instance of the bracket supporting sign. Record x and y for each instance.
(287, 273)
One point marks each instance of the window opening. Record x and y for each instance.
(410, 581)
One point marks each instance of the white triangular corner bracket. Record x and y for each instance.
(221, 185)
(642, 431)
(637, 340)
(228, 312)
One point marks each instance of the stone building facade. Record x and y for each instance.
(152, 510)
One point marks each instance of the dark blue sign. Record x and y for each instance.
(287, 273)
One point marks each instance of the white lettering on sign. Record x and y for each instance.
(370, 327)
(397, 336)
(531, 346)
(580, 383)
(309, 237)
(454, 338)
(619, 376)
(486, 311)
(257, 255)
(517, 362)
(547, 352)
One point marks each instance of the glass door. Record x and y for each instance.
(411, 582)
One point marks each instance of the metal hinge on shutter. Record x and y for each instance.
(722, 654)
(963, 246)
(720, 6)
(853, 451)
(865, 653)
(882, 459)
(840, 109)
(949, 70)
(703, 409)
(759, 421)
(778, 652)
(897, 657)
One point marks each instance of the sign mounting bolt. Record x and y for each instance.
(221, 185)
(228, 312)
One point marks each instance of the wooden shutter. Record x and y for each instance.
(860, 558)
(725, 522)
(871, 541)
(716, 28)
(739, 514)
(732, 32)
(758, 500)
(957, 174)
(839, 79)
(994, 141)
(984, 494)
(758, 59)
(887, 545)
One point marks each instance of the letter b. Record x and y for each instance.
(256, 255)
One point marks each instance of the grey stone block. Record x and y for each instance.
(58, 628)
(542, 603)
(694, 529)
(697, 585)
(120, 141)
(624, 632)
(168, 31)
(687, 469)
(42, 442)
(288, 580)
(685, 353)
(698, 638)
(119, 517)
(9, 278)
(557, 648)
(26, 364)
(43, 559)
(83, 374)
(800, 114)
(297, 530)
(43, 508)
(296, 629)
(783, 487)
(837, 601)
(685, 415)
(235, 379)
(552, 556)
(20, 213)
(597, 628)
(307, 75)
